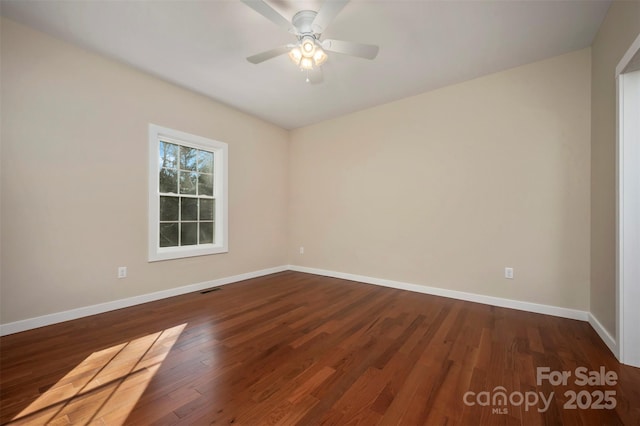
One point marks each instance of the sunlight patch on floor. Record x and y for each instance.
(104, 388)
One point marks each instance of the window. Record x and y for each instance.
(187, 195)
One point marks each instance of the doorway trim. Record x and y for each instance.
(628, 206)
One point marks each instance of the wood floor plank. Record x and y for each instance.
(293, 348)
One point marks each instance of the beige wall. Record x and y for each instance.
(442, 189)
(619, 29)
(447, 188)
(74, 179)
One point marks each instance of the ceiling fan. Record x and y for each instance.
(308, 52)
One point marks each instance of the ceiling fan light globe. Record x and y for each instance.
(295, 55)
(308, 47)
(306, 63)
(319, 57)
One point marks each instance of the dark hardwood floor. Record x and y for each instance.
(293, 348)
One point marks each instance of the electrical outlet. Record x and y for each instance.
(122, 272)
(301, 250)
(508, 273)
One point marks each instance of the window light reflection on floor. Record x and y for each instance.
(104, 387)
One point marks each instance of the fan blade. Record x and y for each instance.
(315, 76)
(268, 12)
(261, 57)
(367, 51)
(328, 11)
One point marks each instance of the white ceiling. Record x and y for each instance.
(424, 44)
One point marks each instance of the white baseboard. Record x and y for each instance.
(604, 334)
(454, 294)
(31, 323)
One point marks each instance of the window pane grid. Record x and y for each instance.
(186, 190)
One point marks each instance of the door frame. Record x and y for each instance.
(628, 206)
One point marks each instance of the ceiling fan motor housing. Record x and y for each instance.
(303, 21)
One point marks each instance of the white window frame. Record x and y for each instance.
(220, 191)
